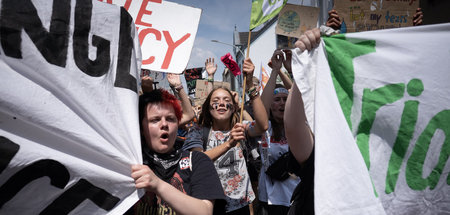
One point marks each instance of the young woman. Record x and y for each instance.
(222, 137)
(175, 180)
(274, 191)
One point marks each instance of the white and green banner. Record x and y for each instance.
(264, 10)
(379, 104)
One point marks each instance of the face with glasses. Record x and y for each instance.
(221, 105)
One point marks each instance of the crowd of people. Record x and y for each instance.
(199, 160)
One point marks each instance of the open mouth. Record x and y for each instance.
(164, 137)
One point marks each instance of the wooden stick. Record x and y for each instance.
(245, 79)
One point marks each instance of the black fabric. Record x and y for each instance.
(302, 201)
(201, 182)
(164, 165)
(267, 209)
(279, 170)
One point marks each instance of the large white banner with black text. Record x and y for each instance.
(68, 107)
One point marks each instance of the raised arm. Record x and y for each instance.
(259, 112)
(298, 134)
(287, 63)
(182, 203)
(188, 112)
(211, 69)
(267, 94)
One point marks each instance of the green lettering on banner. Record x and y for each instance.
(414, 167)
(372, 100)
(404, 135)
(340, 54)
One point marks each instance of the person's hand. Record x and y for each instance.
(310, 39)
(418, 16)
(174, 80)
(333, 20)
(210, 67)
(237, 134)
(147, 84)
(277, 60)
(287, 63)
(144, 177)
(248, 68)
(235, 96)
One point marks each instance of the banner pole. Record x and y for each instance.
(245, 78)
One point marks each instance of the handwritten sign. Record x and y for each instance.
(365, 15)
(166, 32)
(201, 89)
(294, 20)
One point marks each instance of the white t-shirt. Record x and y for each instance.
(232, 170)
(274, 192)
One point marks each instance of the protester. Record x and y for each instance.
(301, 139)
(175, 84)
(174, 180)
(275, 183)
(222, 137)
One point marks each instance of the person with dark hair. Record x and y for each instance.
(175, 181)
(275, 183)
(222, 137)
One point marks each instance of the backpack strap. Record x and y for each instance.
(205, 136)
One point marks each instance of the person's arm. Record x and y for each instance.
(298, 135)
(211, 69)
(267, 94)
(182, 203)
(334, 21)
(259, 112)
(236, 134)
(188, 112)
(418, 16)
(287, 63)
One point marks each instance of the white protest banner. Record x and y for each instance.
(68, 107)
(167, 32)
(380, 105)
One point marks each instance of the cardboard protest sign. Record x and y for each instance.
(365, 15)
(222, 84)
(68, 108)
(294, 20)
(166, 32)
(201, 88)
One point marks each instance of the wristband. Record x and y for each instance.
(179, 87)
(210, 79)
